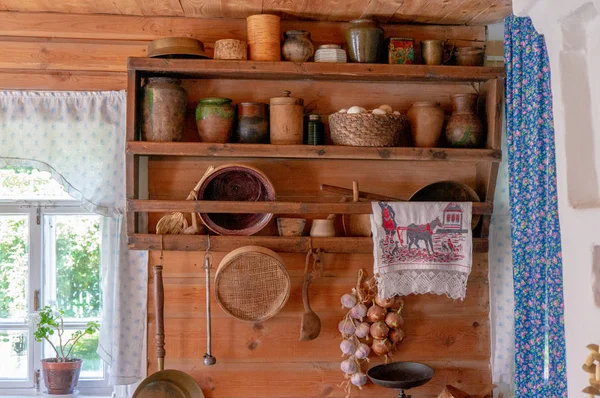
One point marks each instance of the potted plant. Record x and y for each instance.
(61, 373)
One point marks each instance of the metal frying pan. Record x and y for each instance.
(165, 383)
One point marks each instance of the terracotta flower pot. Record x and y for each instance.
(426, 121)
(61, 377)
(464, 128)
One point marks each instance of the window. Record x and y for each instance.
(49, 253)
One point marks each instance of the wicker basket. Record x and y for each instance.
(367, 129)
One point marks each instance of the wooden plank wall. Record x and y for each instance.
(77, 52)
(47, 51)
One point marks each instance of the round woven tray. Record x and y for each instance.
(252, 284)
(367, 129)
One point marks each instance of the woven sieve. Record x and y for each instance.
(252, 284)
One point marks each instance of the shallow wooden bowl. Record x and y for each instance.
(290, 226)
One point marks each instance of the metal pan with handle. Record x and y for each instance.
(165, 383)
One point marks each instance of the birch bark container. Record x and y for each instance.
(286, 120)
(264, 37)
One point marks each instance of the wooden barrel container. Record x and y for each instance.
(264, 37)
(286, 121)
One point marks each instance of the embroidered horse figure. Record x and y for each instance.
(424, 232)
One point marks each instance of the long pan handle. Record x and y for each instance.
(159, 304)
(365, 195)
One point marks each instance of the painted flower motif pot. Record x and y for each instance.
(61, 378)
(464, 128)
(215, 118)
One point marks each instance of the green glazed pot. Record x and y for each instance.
(364, 38)
(215, 118)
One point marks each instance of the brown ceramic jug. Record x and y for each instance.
(297, 46)
(464, 128)
(426, 121)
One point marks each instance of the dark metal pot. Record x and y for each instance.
(252, 123)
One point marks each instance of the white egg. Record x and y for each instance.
(386, 108)
(378, 112)
(363, 110)
(396, 113)
(354, 109)
(343, 111)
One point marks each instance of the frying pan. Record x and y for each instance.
(165, 383)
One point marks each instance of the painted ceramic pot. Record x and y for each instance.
(426, 121)
(364, 39)
(163, 109)
(215, 118)
(252, 123)
(297, 46)
(464, 128)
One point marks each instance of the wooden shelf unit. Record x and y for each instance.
(256, 81)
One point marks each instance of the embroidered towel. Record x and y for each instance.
(422, 247)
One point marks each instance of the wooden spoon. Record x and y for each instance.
(310, 327)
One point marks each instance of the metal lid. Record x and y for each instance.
(287, 100)
(314, 117)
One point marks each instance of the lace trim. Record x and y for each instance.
(451, 283)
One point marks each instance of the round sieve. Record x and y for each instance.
(252, 284)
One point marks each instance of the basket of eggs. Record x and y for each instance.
(358, 126)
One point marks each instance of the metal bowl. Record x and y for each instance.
(400, 375)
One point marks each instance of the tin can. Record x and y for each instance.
(401, 50)
(315, 131)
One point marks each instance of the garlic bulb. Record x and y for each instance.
(362, 330)
(348, 300)
(359, 311)
(359, 379)
(347, 347)
(349, 366)
(362, 351)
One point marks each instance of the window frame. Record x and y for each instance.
(36, 210)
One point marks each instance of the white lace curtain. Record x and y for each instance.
(79, 137)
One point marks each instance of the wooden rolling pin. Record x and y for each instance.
(364, 195)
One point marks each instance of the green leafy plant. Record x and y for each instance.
(49, 325)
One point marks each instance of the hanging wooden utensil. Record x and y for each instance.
(356, 224)
(165, 383)
(310, 327)
(208, 360)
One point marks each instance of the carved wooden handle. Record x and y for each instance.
(159, 302)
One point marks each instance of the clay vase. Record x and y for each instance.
(426, 120)
(252, 123)
(297, 46)
(163, 109)
(215, 118)
(61, 377)
(464, 128)
(364, 39)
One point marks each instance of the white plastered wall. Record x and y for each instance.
(572, 32)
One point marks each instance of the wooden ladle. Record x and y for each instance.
(310, 327)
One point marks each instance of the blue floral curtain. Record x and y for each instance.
(539, 322)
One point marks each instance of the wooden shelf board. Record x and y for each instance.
(213, 206)
(203, 68)
(276, 243)
(201, 149)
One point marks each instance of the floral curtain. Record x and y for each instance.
(536, 250)
(79, 138)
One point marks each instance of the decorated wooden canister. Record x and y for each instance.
(286, 120)
(264, 37)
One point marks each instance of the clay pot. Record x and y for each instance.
(215, 118)
(61, 377)
(322, 228)
(297, 46)
(364, 39)
(252, 123)
(163, 108)
(464, 128)
(426, 121)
